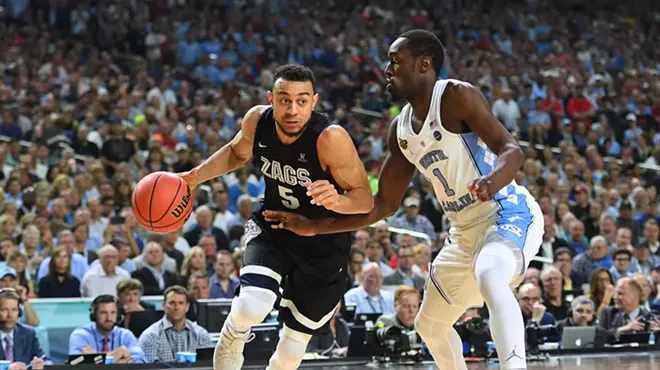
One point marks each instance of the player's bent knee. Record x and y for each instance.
(252, 305)
(428, 326)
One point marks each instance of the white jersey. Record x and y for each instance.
(451, 161)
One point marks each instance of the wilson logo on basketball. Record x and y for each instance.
(176, 212)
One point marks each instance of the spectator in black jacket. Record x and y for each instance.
(627, 316)
(59, 282)
(204, 226)
(154, 278)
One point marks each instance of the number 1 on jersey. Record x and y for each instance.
(444, 183)
(288, 199)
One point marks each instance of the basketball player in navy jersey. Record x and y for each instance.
(311, 167)
(448, 133)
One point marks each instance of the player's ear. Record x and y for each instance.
(315, 99)
(270, 98)
(424, 64)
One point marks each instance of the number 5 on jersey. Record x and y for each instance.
(288, 199)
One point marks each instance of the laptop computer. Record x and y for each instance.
(92, 358)
(576, 337)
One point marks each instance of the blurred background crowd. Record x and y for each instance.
(96, 94)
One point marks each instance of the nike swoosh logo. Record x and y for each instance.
(262, 146)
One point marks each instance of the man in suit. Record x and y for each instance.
(19, 343)
(626, 316)
(204, 226)
(154, 278)
(404, 275)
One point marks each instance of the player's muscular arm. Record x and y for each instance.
(470, 106)
(338, 154)
(395, 176)
(232, 155)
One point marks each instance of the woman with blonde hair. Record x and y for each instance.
(7, 226)
(18, 261)
(194, 262)
(422, 259)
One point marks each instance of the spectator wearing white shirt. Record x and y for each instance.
(507, 110)
(103, 278)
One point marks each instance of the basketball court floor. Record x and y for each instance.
(603, 361)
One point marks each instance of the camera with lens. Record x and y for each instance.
(536, 334)
(647, 319)
(395, 341)
(473, 333)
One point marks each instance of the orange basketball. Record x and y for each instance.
(162, 202)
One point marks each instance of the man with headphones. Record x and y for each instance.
(103, 335)
(18, 343)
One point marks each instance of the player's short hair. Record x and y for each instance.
(422, 43)
(296, 73)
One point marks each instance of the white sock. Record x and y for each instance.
(496, 266)
(290, 350)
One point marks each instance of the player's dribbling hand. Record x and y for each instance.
(190, 177)
(323, 193)
(481, 189)
(290, 221)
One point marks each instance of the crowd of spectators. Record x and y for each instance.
(96, 94)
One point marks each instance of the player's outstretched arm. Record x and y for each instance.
(338, 154)
(395, 176)
(231, 156)
(471, 107)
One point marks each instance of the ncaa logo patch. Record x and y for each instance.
(437, 135)
(403, 143)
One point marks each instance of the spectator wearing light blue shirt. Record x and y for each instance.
(630, 136)
(103, 335)
(79, 265)
(369, 297)
(413, 221)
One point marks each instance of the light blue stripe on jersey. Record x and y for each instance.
(514, 216)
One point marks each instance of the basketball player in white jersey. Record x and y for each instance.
(448, 133)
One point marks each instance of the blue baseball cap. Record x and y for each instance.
(7, 271)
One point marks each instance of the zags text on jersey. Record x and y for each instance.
(284, 174)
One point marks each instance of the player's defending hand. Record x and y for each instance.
(323, 193)
(481, 189)
(298, 224)
(190, 177)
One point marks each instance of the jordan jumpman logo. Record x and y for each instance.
(513, 354)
